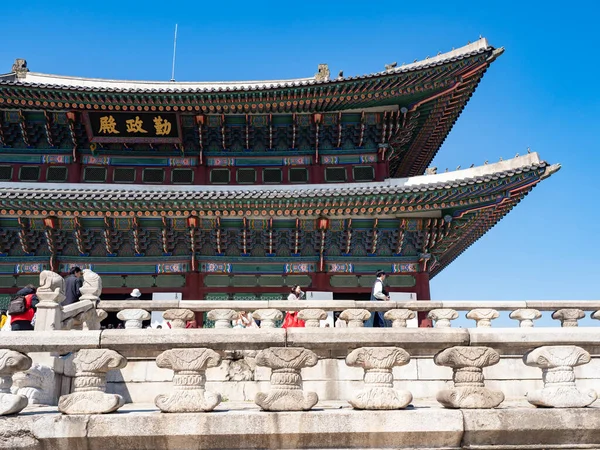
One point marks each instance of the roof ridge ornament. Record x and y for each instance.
(19, 68)
(323, 73)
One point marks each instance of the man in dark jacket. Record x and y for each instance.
(22, 322)
(72, 284)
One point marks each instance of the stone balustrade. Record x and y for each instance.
(289, 355)
(442, 313)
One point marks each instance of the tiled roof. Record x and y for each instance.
(424, 183)
(41, 80)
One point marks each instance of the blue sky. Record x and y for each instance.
(542, 93)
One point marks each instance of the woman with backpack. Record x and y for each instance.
(22, 308)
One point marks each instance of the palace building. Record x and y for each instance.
(236, 190)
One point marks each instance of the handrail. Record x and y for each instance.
(340, 305)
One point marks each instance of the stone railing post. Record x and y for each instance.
(91, 288)
(483, 317)
(133, 318)
(525, 316)
(557, 362)
(89, 396)
(267, 317)
(355, 317)
(379, 392)
(11, 362)
(568, 317)
(189, 365)
(399, 317)
(222, 317)
(37, 384)
(312, 317)
(469, 390)
(178, 317)
(286, 392)
(442, 317)
(51, 294)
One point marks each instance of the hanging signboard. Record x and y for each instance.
(132, 127)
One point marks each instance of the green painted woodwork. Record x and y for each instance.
(244, 297)
(344, 281)
(4, 301)
(24, 280)
(216, 280)
(174, 281)
(216, 296)
(400, 280)
(7, 281)
(271, 280)
(300, 280)
(112, 281)
(244, 281)
(139, 281)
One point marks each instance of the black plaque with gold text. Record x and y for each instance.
(132, 127)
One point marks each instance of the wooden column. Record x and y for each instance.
(193, 291)
(423, 294)
(74, 174)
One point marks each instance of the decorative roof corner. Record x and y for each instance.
(323, 73)
(20, 69)
(550, 170)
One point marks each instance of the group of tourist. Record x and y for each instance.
(22, 308)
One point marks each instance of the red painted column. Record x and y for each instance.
(74, 172)
(192, 291)
(424, 294)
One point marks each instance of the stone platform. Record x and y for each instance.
(330, 425)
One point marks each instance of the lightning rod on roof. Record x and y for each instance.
(174, 51)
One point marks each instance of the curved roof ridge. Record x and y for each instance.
(62, 81)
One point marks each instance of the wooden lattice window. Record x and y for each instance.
(153, 175)
(6, 173)
(219, 176)
(94, 174)
(298, 175)
(29, 173)
(56, 174)
(335, 174)
(246, 176)
(363, 173)
(124, 175)
(272, 176)
(182, 176)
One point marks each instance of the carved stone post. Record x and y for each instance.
(37, 384)
(51, 294)
(568, 317)
(178, 317)
(379, 392)
(133, 317)
(525, 316)
(89, 396)
(469, 390)
(189, 365)
(442, 317)
(355, 317)
(91, 288)
(483, 316)
(557, 362)
(286, 392)
(10, 363)
(312, 317)
(399, 317)
(267, 317)
(222, 317)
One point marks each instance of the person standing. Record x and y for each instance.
(72, 284)
(22, 309)
(378, 293)
(291, 317)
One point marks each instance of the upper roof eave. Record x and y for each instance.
(35, 79)
(395, 185)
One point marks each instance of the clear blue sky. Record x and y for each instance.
(542, 93)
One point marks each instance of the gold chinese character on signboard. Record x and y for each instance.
(108, 125)
(162, 126)
(135, 125)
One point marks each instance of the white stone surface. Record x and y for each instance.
(133, 318)
(442, 317)
(10, 363)
(525, 316)
(355, 318)
(483, 316)
(178, 317)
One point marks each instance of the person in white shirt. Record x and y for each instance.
(378, 294)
